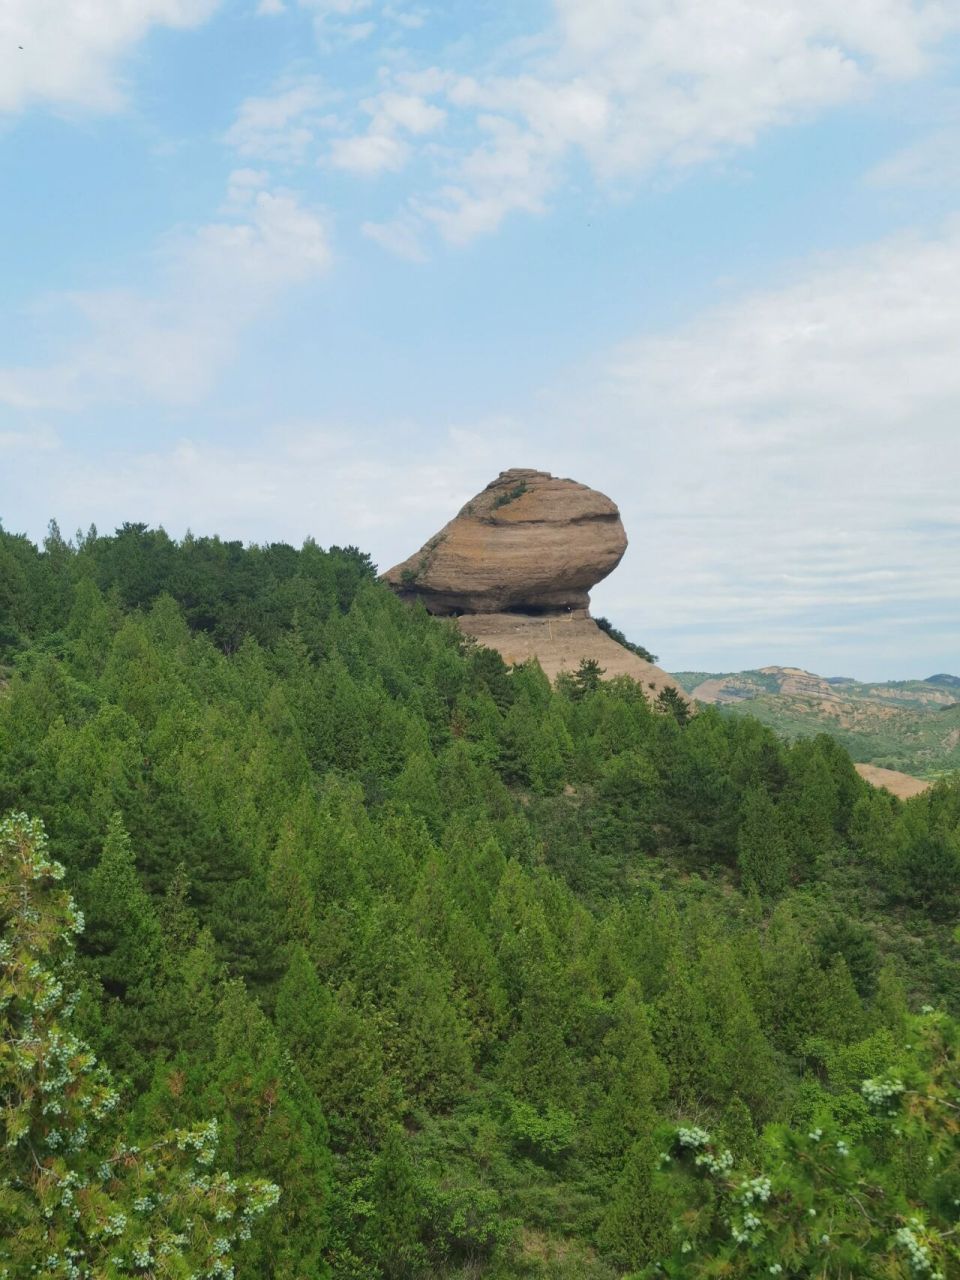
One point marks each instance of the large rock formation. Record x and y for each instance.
(515, 567)
(528, 542)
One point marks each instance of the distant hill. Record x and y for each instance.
(912, 726)
(948, 682)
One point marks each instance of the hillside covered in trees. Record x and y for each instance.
(332, 947)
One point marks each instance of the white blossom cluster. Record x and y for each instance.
(693, 1137)
(202, 1140)
(877, 1092)
(917, 1251)
(721, 1163)
(754, 1189)
(699, 1140)
(746, 1231)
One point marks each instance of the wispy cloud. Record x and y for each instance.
(394, 118)
(340, 21)
(68, 53)
(635, 86)
(170, 345)
(932, 161)
(793, 458)
(331, 481)
(279, 127)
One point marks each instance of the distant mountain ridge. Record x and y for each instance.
(912, 726)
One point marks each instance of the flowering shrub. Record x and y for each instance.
(76, 1201)
(830, 1203)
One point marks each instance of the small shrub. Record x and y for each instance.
(511, 496)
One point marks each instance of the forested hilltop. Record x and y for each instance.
(397, 962)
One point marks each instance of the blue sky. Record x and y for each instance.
(278, 268)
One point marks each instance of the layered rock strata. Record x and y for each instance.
(528, 542)
(515, 567)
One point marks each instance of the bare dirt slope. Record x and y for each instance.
(899, 784)
(560, 642)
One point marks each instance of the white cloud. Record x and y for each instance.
(412, 19)
(241, 186)
(278, 127)
(336, 8)
(634, 86)
(369, 153)
(35, 440)
(66, 52)
(788, 464)
(508, 173)
(400, 236)
(335, 21)
(932, 161)
(329, 481)
(354, 32)
(380, 148)
(408, 111)
(271, 8)
(170, 346)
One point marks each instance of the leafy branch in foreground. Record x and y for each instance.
(871, 1189)
(76, 1201)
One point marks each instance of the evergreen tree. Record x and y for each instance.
(762, 854)
(270, 1121)
(633, 1078)
(488, 933)
(587, 677)
(635, 1229)
(670, 702)
(396, 1217)
(123, 933)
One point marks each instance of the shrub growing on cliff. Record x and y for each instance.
(616, 634)
(504, 499)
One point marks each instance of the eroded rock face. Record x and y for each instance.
(528, 542)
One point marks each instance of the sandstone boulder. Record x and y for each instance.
(528, 543)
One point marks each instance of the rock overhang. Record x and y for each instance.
(528, 542)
